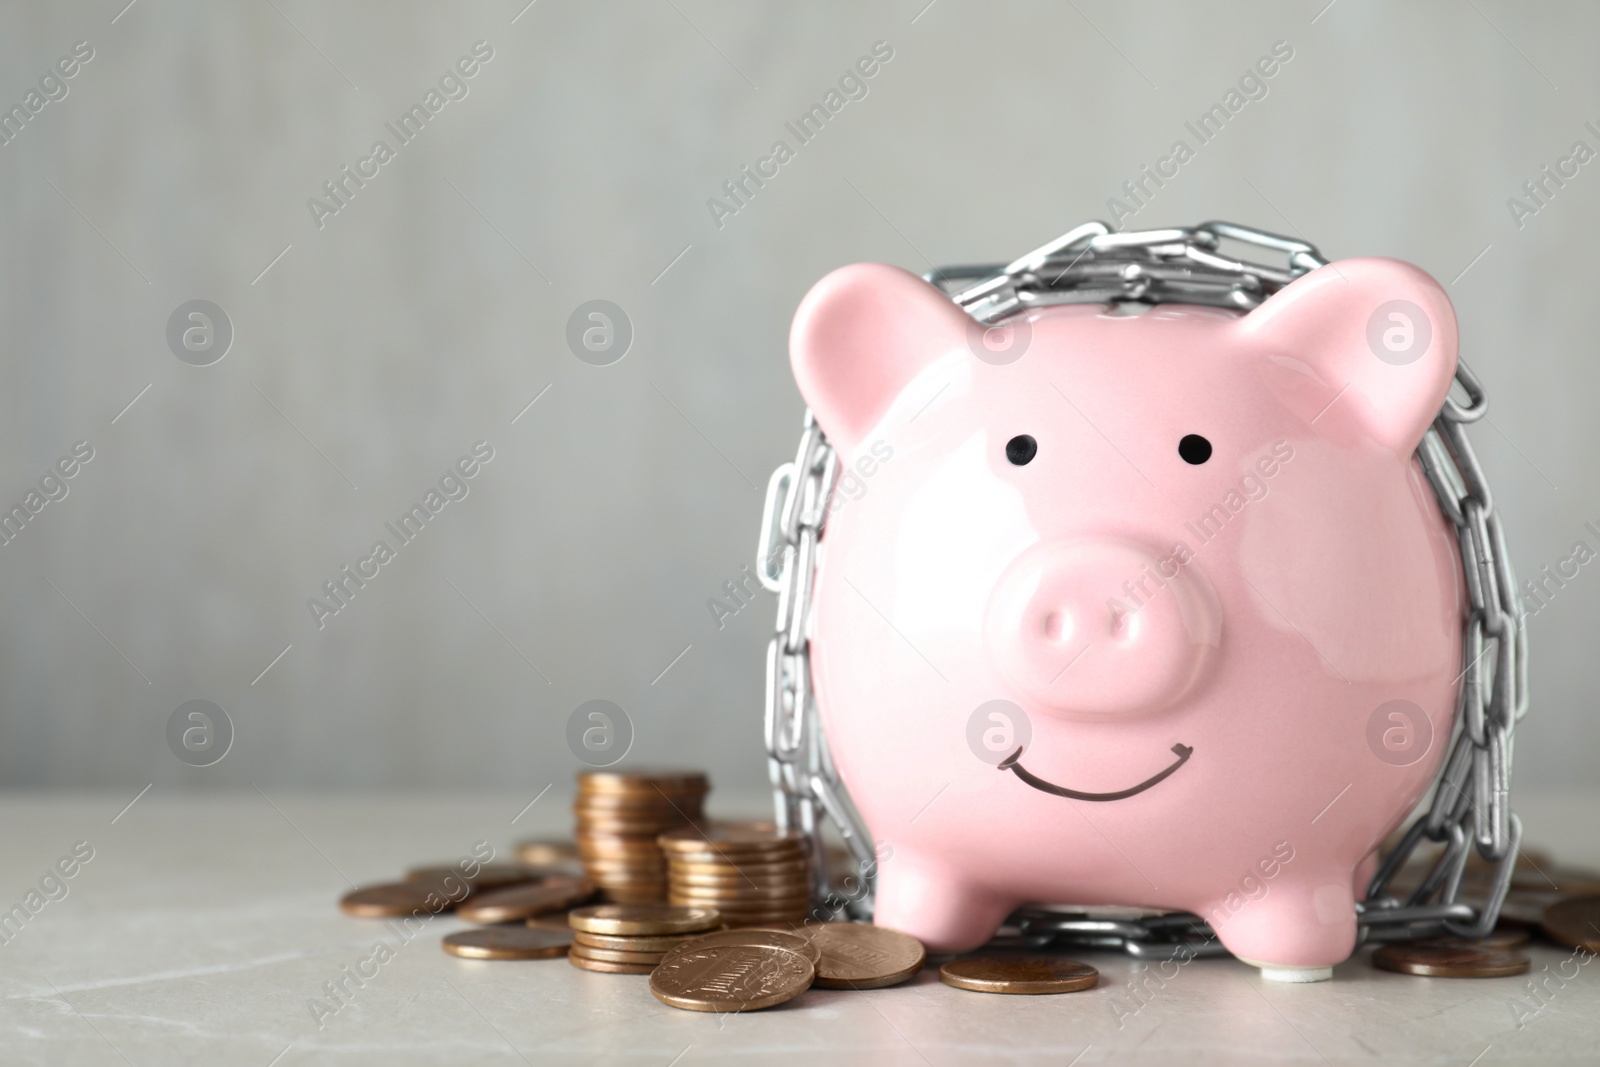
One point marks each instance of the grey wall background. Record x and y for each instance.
(427, 313)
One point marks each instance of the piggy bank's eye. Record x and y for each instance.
(1021, 448)
(1194, 449)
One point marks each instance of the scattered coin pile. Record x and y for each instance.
(437, 889)
(695, 965)
(620, 815)
(1544, 897)
(752, 874)
(717, 914)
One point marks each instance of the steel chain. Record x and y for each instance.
(1090, 265)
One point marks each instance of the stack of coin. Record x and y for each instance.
(633, 938)
(619, 817)
(749, 872)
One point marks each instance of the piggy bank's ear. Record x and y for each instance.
(1377, 334)
(861, 334)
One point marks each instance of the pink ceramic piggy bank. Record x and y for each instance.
(1162, 613)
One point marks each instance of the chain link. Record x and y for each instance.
(1470, 806)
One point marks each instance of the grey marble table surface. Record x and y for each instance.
(202, 928)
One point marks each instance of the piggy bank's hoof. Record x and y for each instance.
(1273, 973)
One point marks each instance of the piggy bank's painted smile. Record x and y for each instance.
(1010, 763)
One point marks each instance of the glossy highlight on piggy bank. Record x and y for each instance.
(1157, 610)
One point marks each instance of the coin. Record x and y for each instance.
(600, 845)
(550, 920)
(724, 978)
(633, 942)
(781, 938)
(789, 894)
(632, 805)
(396, 899)
(735, 908)
(547, 851)
(1024, 975)
(746, 922)
(607, 967)
(622, 781)
(507, 943)
(644, 919)
(625, 896)
(1450, 961)
(717, 873)
(1503, 938)
(1574, 922)
(488, 876)
(619, 815)
(610, 955)
(860, 956)
(519, 902)
(642, 868)
(643, 829)
(727, 839)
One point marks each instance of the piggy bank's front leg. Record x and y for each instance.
(1297, 932)
(935, 904)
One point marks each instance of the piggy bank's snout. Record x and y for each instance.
(1102, 628)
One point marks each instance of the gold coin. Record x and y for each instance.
(996, 974)
(546, 852)
(606, 967)
(794, 942)
(519, 902)
(644, 919)
(508, 943)
(720, 839)
(397, 899)
(634, 942)
(1574, 922)
(860, 956)
(488, 876)
(1450, 961)
(724, 978)
(609, 955)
